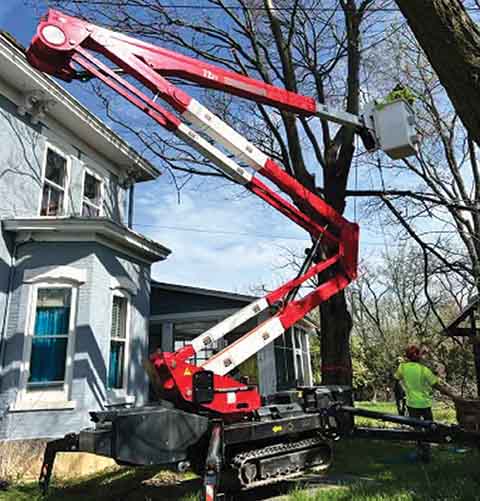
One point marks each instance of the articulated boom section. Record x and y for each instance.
(64, 43)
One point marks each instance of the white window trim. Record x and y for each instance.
(117, 396)
(297, 353)
(66, 197)
(67, 274)
(92, 173)
(308, 360)
(47, 398)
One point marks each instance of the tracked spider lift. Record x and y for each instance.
(206, 419)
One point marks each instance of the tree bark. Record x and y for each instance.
(451, 41)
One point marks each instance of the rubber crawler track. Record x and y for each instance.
(241, 459)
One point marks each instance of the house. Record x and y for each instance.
(74, 278)
(179, 313)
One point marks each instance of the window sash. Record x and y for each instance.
(87, 207)
(54, 185)
(48, 189)
(95, 202)
(118, 343)
(49, 345)
(116, 364)
(55, 181)
(48, 361)
(119, 318)
(54, 157)
(91, 181)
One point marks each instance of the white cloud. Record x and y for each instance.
(217, 242)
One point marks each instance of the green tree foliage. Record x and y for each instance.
(392, 309)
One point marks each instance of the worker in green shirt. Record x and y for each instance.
(418, 381)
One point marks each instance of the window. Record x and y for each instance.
(185, 332)
(46, 368)
(54, 185)
(202, 356)
(92, 196)
(284, 361)
(292, 359)
(50, 337)
(118, 343)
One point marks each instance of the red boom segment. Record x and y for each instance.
(54, 59)
(62, 41)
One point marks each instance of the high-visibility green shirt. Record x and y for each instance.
(417, 381)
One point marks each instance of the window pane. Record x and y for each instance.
(91, 189)
(89, 210)
(119, 317)
(47, 362)
(52, 318)
(53, 312)
(52, 201)
(284, 365)
(56, 168)
(115, 369)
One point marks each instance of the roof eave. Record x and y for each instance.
(80, 226)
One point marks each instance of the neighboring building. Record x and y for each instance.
(179, 313)
(74, 280)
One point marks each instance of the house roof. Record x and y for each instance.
(181, 299)
(203, 292)
(22, 79)
(100, 229)
(463, 314)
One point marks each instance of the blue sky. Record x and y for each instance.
(220, 239)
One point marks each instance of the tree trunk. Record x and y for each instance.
(451, 41)
(335, 325)
(335, 319)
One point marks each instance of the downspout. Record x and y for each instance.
(131, 205)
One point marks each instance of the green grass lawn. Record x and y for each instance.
(383, 471)
(452, 475)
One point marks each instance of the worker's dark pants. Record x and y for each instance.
(423, 448)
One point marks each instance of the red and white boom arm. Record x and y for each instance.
(63, 43)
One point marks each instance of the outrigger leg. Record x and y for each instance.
(68, 443)
(213, 465)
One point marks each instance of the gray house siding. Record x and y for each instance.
(22, 160)
(92, 336)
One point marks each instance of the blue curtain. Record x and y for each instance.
(47, 362)
(52, 321)
(115, 369)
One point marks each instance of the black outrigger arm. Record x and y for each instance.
(69, 443)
